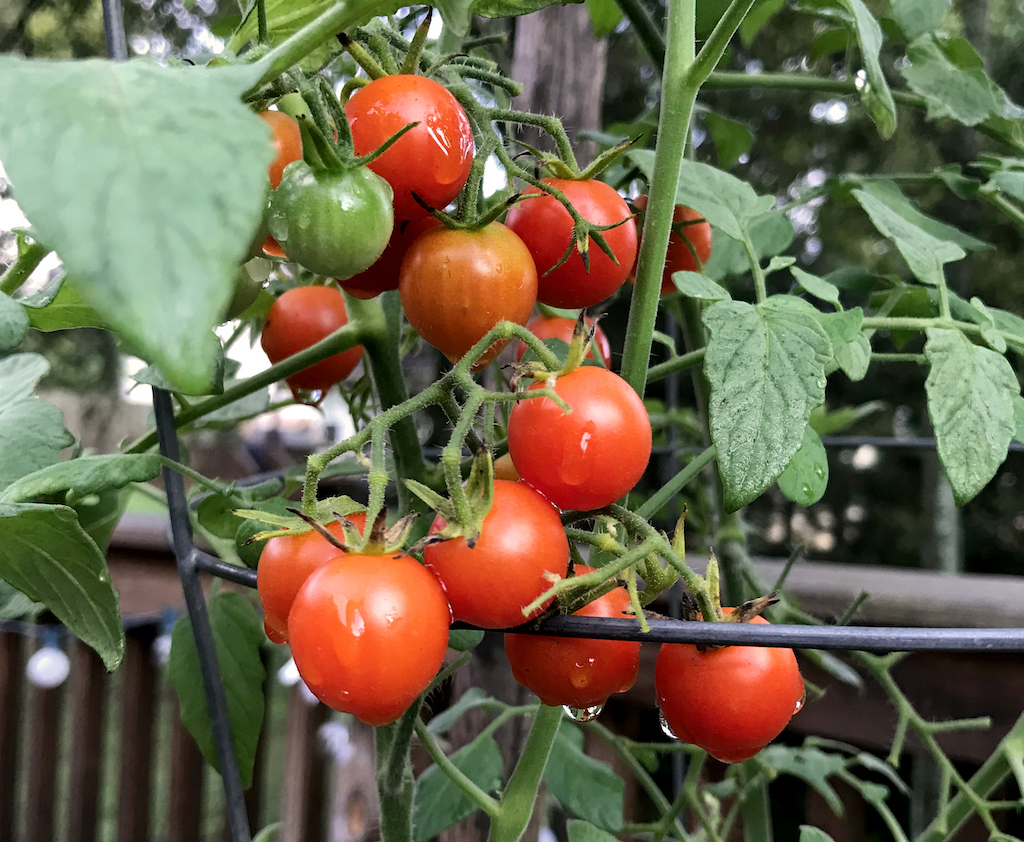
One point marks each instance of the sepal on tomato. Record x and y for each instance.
(478, 495)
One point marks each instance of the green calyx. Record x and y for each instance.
(467, 507)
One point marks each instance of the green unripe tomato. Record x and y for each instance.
(335, 223)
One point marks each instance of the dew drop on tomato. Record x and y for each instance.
(574, 467)
(800, 703)
(666, 729)
(309, 397)
(583, 714)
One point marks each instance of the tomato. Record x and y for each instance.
(731, 701)
(521, 544)
(285, 564)
(682, 243)
(587, 458)
(368, 633)
(287, 142)
(431, 160)
(578, 672)
(456, 285)
(334, 223)
(273, 248)
(301, 317)
(383, 275)
(504, 469)
(547, 229)
(556, 327)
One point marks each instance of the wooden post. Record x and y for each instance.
(303, 808)
(12, 673)
(88, 691)
(137, 716)
(44, 705)
(184, 819)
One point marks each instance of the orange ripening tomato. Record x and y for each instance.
(556, 327)
(287, 143)
(684, 242)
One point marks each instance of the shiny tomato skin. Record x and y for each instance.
(546, 227)
(679, 257)
(431, 160)
(521, 544)
(287, 143)
(730, 701)
(368, 634)
(285, 564)
(301, 317)
(587, 458)
(579, 672)
(456, 285)
(383, 275)
(556, 327)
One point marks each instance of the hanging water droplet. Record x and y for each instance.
(583, 714)
(309, 397)
(820, 471)
(800, 703)
(805, 490)
(666, 728)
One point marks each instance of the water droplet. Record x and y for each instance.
(820, 472)
(805, 490)
(309, 397)
(666, 728)
(583, 714)
(800, 703)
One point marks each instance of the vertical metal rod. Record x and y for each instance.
(113, 29)
(186, 555)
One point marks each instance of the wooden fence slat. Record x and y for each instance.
(12, 672)
(44, 704)
(305, 766)
(88, 697)
(138, 711)
(187, 773)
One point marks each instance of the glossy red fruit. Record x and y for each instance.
(521, 550)
(685, 241)
(368, 634)
(730, 701)
(578, 672)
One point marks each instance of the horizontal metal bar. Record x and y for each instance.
(865, 638)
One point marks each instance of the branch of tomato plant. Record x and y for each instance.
(29, 257)
(395, 782)
(645, 28)
(681, 362)
(653, 504)
(924, 323)
(466, 784)
(760, 289)
(1001, 203)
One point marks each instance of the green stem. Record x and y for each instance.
(395, 784)
(663, 495)
(679, 93)
(760, 289)
(645, 28)
(757, 814)
(680, 363)
(1006, 207)
(261, 21)
(521, 792)
(714, 48)
(18, 272)
(455, 774)
(341, 16)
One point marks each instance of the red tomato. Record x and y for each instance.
(301, 317)
(273, 247)
(579, 672)
(587, 458)
(731, 701)
(368, 633)
(287, 142)
(285, 564)
(456, 285)
(431, 160)
(522, 543)
(680, 255)
(555, 327)
(546, 228)
(383, 275)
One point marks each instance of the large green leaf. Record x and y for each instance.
(925, 254)
(971, 392)
(103, 161)
(32, 431)
(851, 350)
(771, 234)
(586, 787)
(949, 74)
(916, 17)
(701, 287)
(581, 831)
(806, 476)
(766, 366)
(45, 554)
(85, 475)
(13, 323)
(439, 803)
(811, 765)
(874, 90)
(59, 307)
(818, 287)
(238, 635)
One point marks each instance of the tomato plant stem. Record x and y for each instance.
(261, 21)
(760, 290)
(922, 324)
(679, 363)
(663, 495)
(455, 774)
(757, 815)
(521, 792)
(29, 257)
(645, 28)
(395, 783)
(679, 93)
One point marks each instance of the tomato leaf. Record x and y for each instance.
(818, 287)
(806, 476)
(1018, 418)
(808, 833)
(14, 605)
(32, 431)
(811, 765)
(766, 366)
(851, 350)
(586, 787)
(13, 323)
(874, 93)
(439, 803)
(605, 15)
(85, 475)
(60, 306)
(770, 234)
(100, 513)
(581, 831)
(732, 138)
(925, 254)
(45, 554)
(757, 18)
(971, 392)
(916, 17)
(103, 162)
(237, 634)
(696, 285)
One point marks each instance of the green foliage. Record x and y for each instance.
(806, 476)
(586, 787)
(85, 475)
(238, 635)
